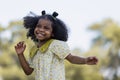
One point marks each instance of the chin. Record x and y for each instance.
(41, 39)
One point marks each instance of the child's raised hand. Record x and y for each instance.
(20, 47)
(91, 60)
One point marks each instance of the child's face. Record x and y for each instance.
(43, 30)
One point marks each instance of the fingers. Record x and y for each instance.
(92, 60)
(95, 60)
(20, 44)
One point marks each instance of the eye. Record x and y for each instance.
(46, 27)
(38, 26)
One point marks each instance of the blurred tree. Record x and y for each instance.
(82, 72)
(108, 43)
(1, 29)
(10, 68)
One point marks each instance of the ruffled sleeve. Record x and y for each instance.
(33, 51)
(60, 48)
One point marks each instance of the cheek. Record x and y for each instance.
(50, 33)
(36, 29)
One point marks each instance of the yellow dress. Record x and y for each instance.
(49, 65)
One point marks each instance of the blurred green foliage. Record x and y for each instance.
(105, 46)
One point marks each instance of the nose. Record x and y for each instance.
(40, 29)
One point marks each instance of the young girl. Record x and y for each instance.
(50, 50)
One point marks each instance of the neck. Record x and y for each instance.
(40, 43)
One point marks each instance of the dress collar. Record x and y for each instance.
(42, 49)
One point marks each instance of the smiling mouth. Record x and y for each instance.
(39, 35)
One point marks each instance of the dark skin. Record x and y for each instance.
(43, 32)
(20, 47)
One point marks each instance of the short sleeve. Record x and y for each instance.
(60, 48)
(30, 59)
(30, 63)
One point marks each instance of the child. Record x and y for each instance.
(47, 55)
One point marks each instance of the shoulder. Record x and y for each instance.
(33, 47)
(58, 43)
(33, 51)
(60, 48)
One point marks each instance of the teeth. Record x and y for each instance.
(41, 35)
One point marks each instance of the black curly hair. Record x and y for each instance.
(60, 30)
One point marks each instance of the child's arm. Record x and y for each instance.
(20, 47)
(80, 60)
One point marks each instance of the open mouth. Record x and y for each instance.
(40, 34)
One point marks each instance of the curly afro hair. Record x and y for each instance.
(60, 30)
